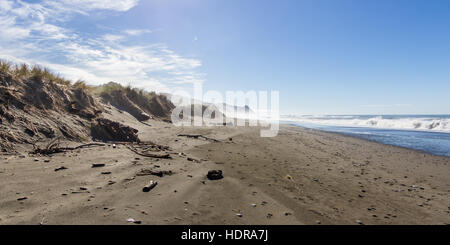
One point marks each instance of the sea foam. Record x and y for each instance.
(412, 122)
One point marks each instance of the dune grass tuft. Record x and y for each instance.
(24, 71)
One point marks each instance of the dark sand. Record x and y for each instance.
(301, 176)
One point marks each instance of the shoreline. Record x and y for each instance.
(360, 137)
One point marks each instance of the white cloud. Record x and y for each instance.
(137, 32)
(112, 38)
(117, 5)
(36, 33)
(9, 30)
(5, 5)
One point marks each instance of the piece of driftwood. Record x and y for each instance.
(165, 155)
(86, 145)
(149, 186)
(53, 148)
(196, 136)
(147, 124)
(159, 173)
(60, 168)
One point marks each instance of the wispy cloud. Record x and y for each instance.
(137, 32)
(37, 33)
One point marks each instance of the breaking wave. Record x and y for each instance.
(422, 123)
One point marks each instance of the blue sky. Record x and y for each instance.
(323, 56)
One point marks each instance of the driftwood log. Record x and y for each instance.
(147, 154)
(53, 147)
(149, 186)
(196, 136)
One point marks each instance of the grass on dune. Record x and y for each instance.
(25, 71)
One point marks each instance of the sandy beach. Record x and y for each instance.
(302, 176)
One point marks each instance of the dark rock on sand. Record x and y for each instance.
(214, 175)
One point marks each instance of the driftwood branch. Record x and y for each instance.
(147, 124)
(165, 155)
(88, 145)
(196, 136)
(53, 147)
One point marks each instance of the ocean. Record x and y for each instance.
(428, 133)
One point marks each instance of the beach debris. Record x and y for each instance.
(316, 180)
(98, 165)
(239, 215)
(359, 222)
(148, 154)
(111, 182)
(214, 175)
(287, 214)
(53, 147)
(196, 136)
(318, 222)
(60, 168)
(193, 159)
(107, 172)
(83, 188)
(288, 177)
(144, 116)
(269, 215)
(149, 186)
(22, 198)
(129, 179)
(114, 146)
(253, 205)
(131, 220)
(159, 173)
